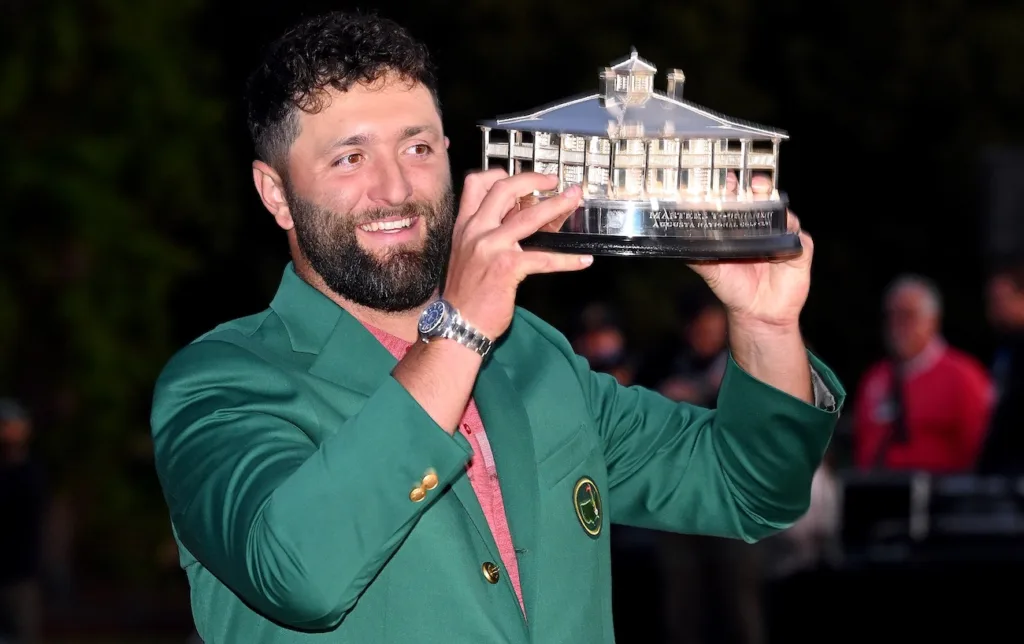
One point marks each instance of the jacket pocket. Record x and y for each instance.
(565, 458)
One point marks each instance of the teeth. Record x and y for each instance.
(387, 226)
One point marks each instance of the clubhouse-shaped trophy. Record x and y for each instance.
(661, 176)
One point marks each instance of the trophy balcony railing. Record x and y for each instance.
(756, 160)
(669, 194)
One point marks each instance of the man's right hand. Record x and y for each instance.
(487, 263)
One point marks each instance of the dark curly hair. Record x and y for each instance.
(335, 50)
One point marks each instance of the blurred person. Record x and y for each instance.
(697, 371)
(713, 585)
(926, 405)
(1003, 451)
(812, 542)
(22, 517)
(603, 344)
(356, 464)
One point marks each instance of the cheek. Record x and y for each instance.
(341, 194)
(430, 178)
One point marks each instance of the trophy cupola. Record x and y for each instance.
(630, 81)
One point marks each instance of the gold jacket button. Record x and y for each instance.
(417, 494)
(490, 572)
(430, 481)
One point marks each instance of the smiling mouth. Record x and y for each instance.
(388, 226)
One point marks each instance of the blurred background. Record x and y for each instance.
(129, 226)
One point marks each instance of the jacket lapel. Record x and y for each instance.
(508, 431)
(353, 358)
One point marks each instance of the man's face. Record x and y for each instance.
(910, 322)
(14, 432)
(707, 334)
(370, 195)
(1005, 304)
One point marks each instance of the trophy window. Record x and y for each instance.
(720, 182)
(572, 143)
(629, 146)
(662, 180)
(597, 179)
(573, 174)
(684, 179)
(666, 146)
(628, 181)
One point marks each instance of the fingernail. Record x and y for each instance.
(586, 260)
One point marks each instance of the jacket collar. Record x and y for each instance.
(308, 315)
(347, 353)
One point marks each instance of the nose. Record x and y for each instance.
(390, 187)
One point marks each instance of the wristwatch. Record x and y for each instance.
(442, 320)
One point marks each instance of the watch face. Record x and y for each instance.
(432, 317)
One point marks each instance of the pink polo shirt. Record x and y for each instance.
(483, 475)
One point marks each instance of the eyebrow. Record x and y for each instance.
(366, 139)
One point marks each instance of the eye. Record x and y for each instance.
(420, 150)
(348, 160)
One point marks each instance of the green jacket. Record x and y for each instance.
(287, 454)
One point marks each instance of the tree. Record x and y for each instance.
(114, 145)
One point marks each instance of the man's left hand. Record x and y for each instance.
(766, 295)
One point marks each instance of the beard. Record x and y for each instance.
(400, 280)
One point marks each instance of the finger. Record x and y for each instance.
(807, 246)
(555, 225)
(503, 195)
(475, 188)
(732, 182)
(760, 184)
(792, 222)
(532, 262)
(547, 211)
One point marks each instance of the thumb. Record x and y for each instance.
(710, 271)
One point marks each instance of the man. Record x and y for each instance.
(925, 407)
(696, 373)
(331, 478)
(23, 515)
(1003, 451)
(602, 342)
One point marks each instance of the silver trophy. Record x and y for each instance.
(661, 176)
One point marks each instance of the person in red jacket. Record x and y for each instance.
(926, 406)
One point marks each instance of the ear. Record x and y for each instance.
(271, 190)
(447, 143)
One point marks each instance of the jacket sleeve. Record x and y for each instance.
(295, 529)
(742, 471)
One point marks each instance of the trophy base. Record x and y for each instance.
(752, 248)
(697, 229)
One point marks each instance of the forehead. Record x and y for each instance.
(381, 110)
(908, 297)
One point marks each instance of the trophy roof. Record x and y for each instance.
(660, 117)
(629, 103)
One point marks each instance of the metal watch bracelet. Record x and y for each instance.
(463, 333)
